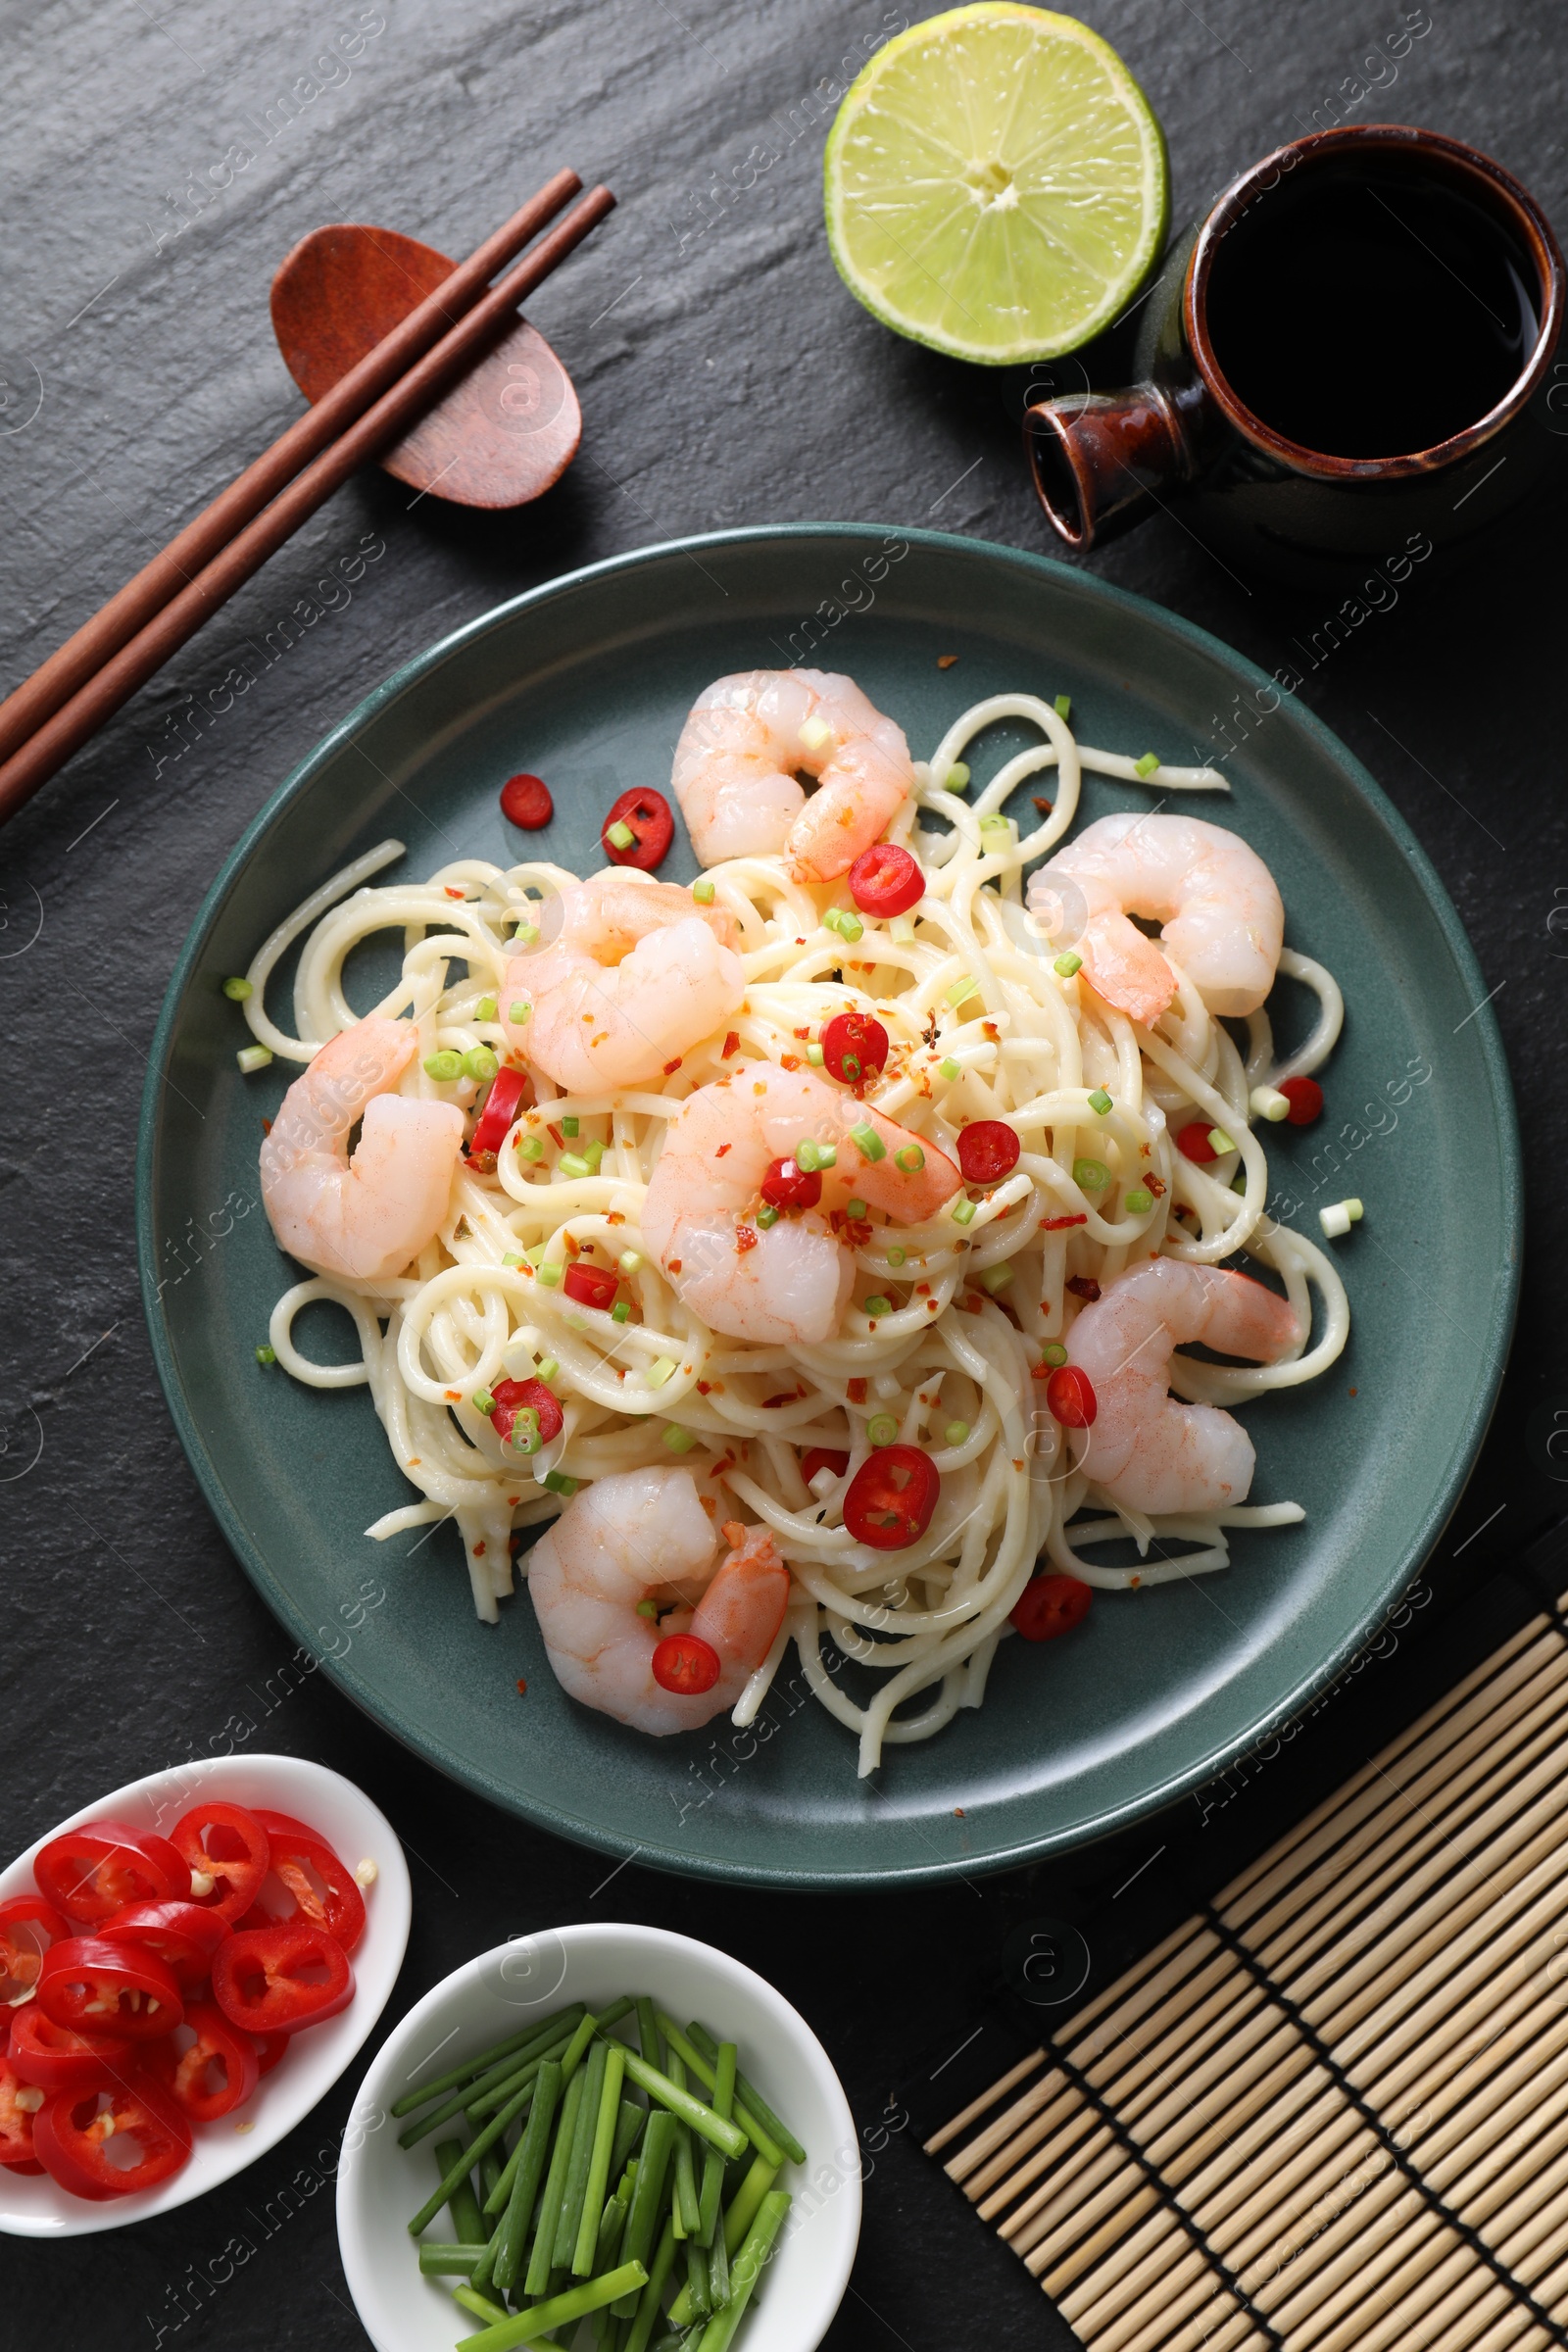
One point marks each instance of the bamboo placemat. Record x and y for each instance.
(1331, 2109)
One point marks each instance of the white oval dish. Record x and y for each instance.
(31, 2206)
(381, 2185)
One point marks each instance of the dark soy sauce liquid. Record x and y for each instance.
(1367, 308)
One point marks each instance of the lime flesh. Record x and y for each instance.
(996, 184)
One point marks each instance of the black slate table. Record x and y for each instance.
(159, 162)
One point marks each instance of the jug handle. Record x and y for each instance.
(1098, 460)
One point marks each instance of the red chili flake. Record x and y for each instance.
(805, 1035)
(1353, 1392)
(523, 1688)
(525, 803)
(454, 894)
(266, 1126)
(1060, 1224)
(454, 1396)
(957, 1812)
(731, 1044)
(855, 1390)
(946, 661)
(1156, 1186)
(704, 1387)
(478, 1550)
(560, 1139)
(573, 1246)
(722, 1149)
(1045, 806)
(789, 1062)
(674, 1265)
(745, 1238)
(1084, 1286)
(670, 1067)
(790, 1396)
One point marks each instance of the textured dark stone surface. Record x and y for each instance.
(726, 378)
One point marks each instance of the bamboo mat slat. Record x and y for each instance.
(1330, 2111)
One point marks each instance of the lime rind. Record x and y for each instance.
(996, 184)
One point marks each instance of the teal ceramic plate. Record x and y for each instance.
(586, 683)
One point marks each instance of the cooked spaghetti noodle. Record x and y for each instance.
(983, 1025)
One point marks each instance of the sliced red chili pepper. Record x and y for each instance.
(892, 1496)
(269, 2048)
(230, 1844)
(645, 817)
(1070, 1395)
(1049, 1605)
(590, 1286)
(514, 1396)
(90, 1871)
(1306, 1099)
(787, 1185)
(278, 1979)
(322, 1887)
(988, 1150)
(184, 1936)
(1192, 1142)
(29, 1926)
(16, 2123)
(95, 1987)
(686, 1664)
(57, 2058)
(508, 1095)
(73, 2131)
(855, 1048)
(884, 880)
(822, 1457)
(218, 2070)
(526, 801)
(1060, 1224)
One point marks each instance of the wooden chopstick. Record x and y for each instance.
(179, 595)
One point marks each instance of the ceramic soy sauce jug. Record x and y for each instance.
(1356, 347)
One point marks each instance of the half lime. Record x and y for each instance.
(996, 184)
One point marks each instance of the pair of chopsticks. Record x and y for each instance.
(68, 696)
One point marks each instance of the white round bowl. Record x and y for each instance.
(34, 2206)
(380, 2184)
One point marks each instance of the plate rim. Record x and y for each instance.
(1495, 1344)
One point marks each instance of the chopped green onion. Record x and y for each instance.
(1219, 1142)
(1100, 1100)
(518, 1011)
(573, 1163)
(1238, 1181)
(962, 990)
(541, 2320)
(237, 988)
(768, 1216)
(866, 1141)
(950, 1069)
(1090, 1175)
(882, 1430)
(996, 823)
(678, 1440)
(659, 1371)
(910, 1159)
(996, 1278)
(964, 1211)
(480, 1062)
(524, 1436)
(530, 1148)
(895, 1255)
(526, 935)
(443, 1066)
(1063, 705)
(483, 1403)
(648, 1608)
(957, 778)
(1066, 964)
(620, 835)
(901, 928)
(628, 1262)
(1055, 1353)
(877, 1305)
(851, 927)
(810, 1155)
(570, 1123)
(620, 1312)
(1137, 1203)
(813, 1054)
(515, 1258)
(855, 1210)
(593, 1154)
(549, 1366)
(1267, 1103)
(253, 1058)
(550, 1274)
(1338, 1218)
(485, 1009)
(558, 1482)
(267, 1355)
(703, 891)
(1147, 765)
(956, 1432)
(832, 917)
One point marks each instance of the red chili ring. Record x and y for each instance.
(1306, 1099)
(885, 880)
(526, 802)
(1070, 1395)
(685, 1664)
(1049, 1605)
(646, 815)
(988, 1150)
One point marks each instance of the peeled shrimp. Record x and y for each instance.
(632, 976)
(1221, 911)
(1145, 1448)
(787, 1285)
(643, 1534)
(735, 773)
(367, 1216)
